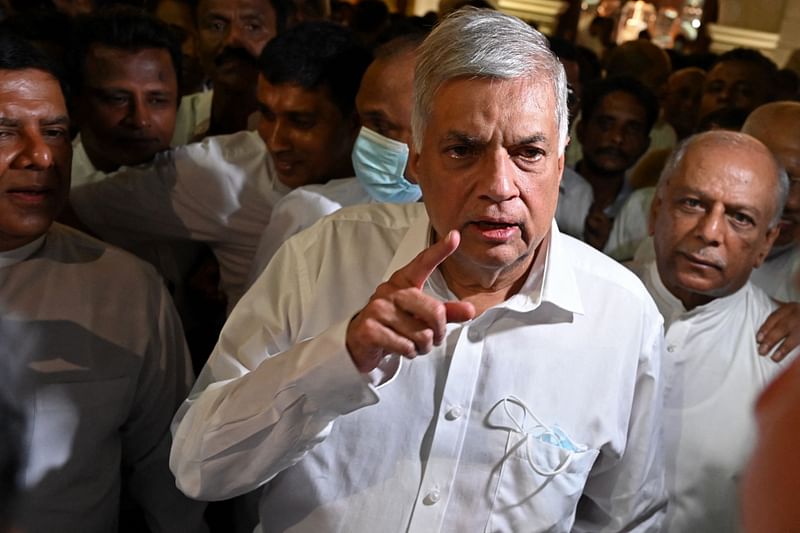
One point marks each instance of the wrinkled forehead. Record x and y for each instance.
(30, 91)
(745, 172)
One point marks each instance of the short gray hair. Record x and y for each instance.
(481, 43)
(733, 139)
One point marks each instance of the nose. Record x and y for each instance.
(499, 184)
(35, 154)
(233, 37)
(710, 226)
(616, 134)
(724, 95)
(275, 134)
(139, 114)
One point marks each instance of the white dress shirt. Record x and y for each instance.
(778, 275)
(575, 199)
(173, 260)
(107, 365)
(456, 440)
(219, 191)
(630, 225)
(713, 375)
(299, 210)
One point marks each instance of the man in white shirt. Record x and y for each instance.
(94, 329)
(125, 66)
(616, 118)
(380, 153)
(222, 191)
(531, 410)
(777, 125)
(230, 38)
(715, 217)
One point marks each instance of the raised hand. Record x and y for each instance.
(400, 318)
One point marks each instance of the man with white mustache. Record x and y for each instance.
(714, 218)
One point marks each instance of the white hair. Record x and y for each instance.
(481, 43)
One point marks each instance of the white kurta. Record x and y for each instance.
(193, 117)
(299, 210)
(713, 376)
(107, 365)
(220, 191)
(433, 449)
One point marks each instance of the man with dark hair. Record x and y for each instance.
(222, 191)
(741, 78)
(125, 66)
(617, 115)
(231, 35)
(93, 328)
(379, 155)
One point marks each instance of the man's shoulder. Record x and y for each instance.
(331, 196)
(386, 216)
(68, 246)
(353, 229)
(600, 273)
(230, 145)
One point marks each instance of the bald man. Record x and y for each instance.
(681, 99)
(714, 217)
(777, 125)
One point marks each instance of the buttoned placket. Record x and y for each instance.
(451, 426)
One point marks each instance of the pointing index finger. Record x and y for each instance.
(421, 267)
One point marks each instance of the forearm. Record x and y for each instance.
(237, 434)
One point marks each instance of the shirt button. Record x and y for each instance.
(671, 348)
(432, 497)
(454, 413)
(474, 335)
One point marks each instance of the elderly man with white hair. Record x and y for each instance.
(485, 384)
(714, 218)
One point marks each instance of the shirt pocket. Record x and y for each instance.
(527, 498)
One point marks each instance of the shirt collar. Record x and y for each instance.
(81, 164)
(550, 280)
(17, 255)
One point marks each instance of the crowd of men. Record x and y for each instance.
(431, 279)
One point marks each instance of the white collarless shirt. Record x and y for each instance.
(713, 375)
(451, 441)
(106, 364)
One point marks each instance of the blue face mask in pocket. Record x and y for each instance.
(380, 163)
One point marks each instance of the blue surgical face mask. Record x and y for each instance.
(379, 163)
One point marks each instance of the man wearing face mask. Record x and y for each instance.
(379, 155)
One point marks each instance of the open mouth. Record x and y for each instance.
(497, 230)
